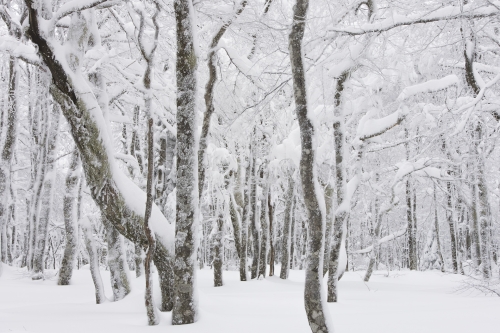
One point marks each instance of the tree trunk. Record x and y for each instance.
(313, 296)
(286, 237)
(139, 267)
(245, 221)
(218, 250)
(46, 200)
(329, 193)
(271, 236)
(484, 215)
(449, 218)
(343, 206)
(8, 145)
(118, 268)
(264, 225)
(253, 220)
(185, 309)
(93, 261)
(70, 220)
(436, 227)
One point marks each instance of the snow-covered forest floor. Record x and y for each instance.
(404, 301)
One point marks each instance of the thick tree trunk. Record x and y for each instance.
(94, 261)
(185, 309)
(42, 229)
(313, 296)
(70, 220)
(286, 236)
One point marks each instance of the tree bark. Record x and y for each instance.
(313, 296)
(42, 229)
(343, 206)
(436, 228)
(271, 236)
(70, 220)
(253, 220)
(245, 221)
(94, 261)
(264, 225)
(118, 268)
(286, 237)
(185, 309)
(218, 250)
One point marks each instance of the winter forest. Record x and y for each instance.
(242, 165)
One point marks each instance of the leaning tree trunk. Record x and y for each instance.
(286, 237)
(111, 190)
(93, 260)
(185, 309)
(70, 220)
(313, 295)
(47, 194)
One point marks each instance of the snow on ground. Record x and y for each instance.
(404, 302)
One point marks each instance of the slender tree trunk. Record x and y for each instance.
(412, 242)
(46, 200)
(245, 221)
(329, 193)
(218, 250)
(264, 225)
(185, 309)
(313, 296)
(286, 237)
(253, 221)
(484, 214)
(94, 260)
(70, 220)
(449, 218)
(271, 236)
(118, 268)
(139, 266)
(343, 206)
(8, 145)
(436, 227)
